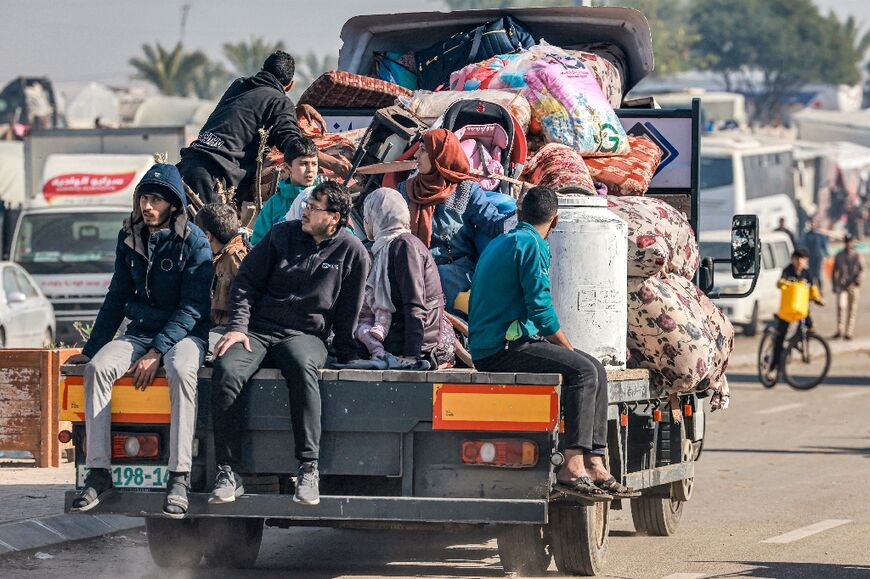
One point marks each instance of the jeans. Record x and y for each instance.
(182, 364)
(455, 279)
(298, 358)
(584, 387)
(781, 327)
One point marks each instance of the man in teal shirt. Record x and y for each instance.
(513, 327)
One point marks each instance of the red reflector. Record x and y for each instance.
(64, 436)
(623, 420)
(504, 452)
(687, 410)
(128, 445)
(657, 415)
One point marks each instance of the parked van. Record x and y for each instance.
(742, 175)
(749, 312)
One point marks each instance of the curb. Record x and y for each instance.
(837, 348)
(31, 534)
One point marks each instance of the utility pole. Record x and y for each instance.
(185, 9)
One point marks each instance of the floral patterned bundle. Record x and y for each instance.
(560, 168)
(660, 238)
(628, 174)
(677, 333)
(608, 76)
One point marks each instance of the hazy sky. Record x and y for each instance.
(92, 40)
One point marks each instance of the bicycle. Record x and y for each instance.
(805, 361)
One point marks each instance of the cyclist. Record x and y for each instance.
(797, 270)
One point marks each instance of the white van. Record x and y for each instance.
(749, 312)
(741, 175)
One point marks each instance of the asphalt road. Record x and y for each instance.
(781, 491)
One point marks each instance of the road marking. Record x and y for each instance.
(783, 408)
(845, 395)
(7, 545)
(686, 576)
(805, 532)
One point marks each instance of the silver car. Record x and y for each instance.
(26, 316)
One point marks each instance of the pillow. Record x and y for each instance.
(560, 168)
(629, 174)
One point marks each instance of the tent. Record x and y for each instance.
(12, 172)
(94, 101)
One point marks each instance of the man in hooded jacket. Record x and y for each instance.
(226, 148)
(161, 283)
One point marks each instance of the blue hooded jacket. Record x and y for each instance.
(162, 280)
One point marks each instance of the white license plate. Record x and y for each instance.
(132, 476)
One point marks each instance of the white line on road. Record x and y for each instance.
(845, 395)
(783, 408)
(805, 532)
(686, 576)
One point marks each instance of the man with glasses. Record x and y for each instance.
(303, 280)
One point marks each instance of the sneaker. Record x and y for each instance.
(98, 484)
(307, 484)
(227, 486)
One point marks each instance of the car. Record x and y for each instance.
(26, 315)
(748, 313)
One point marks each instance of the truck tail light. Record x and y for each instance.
(130, 445)
(64, 436)
(513, 453)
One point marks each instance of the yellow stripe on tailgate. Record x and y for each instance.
(128, 404)
(495, 407)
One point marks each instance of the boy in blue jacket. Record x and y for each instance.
(302, 159)
(513, 327)
(161, 283)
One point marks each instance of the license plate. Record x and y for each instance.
(132, 476)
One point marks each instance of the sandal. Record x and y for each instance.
(618, 490)
(583, 487)
(98, 484)
(175, 504)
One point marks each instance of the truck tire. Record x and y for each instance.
(579, 537)
(523, 550)
(231, 542)
(657, 516)
(173, 543)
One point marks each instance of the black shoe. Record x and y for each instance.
(97, 485)
(837, 336)
(849, 338)
(175, 504)
(227, 486)
(307, 484)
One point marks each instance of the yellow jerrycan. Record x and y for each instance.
(794, 301)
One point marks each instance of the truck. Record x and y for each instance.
(446, 449)
(78, 190)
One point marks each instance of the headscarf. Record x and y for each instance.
(449, 167)
(386, 217)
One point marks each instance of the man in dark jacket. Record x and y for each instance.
(163, 273)
(304, 279)
(226, 148)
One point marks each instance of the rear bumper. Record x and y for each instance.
(335, 508)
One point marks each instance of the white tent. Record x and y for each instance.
(164, 111)
(94, 101)
(12, 172)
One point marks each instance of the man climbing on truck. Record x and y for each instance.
(513, 327)
(303, 280)
(163, 270)
(229, 141)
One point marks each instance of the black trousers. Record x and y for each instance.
(584, 387)
(781, 327)
(298, 358)
(200, 177)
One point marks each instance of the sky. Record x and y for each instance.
(78, 41)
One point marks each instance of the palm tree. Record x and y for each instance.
(172, 72)
(211, 80)
(247, 57)
(308, 68)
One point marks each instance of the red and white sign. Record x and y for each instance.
(87, 184)
(91, 179)
(77, 284)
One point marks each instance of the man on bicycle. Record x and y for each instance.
(797, 270)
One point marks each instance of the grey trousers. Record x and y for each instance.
(181, 363)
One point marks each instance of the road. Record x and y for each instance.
(781, 492)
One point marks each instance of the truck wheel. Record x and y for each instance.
(750, 329)
(657, 516)
(231, 542)
(523, 550)
(579, 537)
(173, 543)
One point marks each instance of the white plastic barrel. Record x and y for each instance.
(589, 274)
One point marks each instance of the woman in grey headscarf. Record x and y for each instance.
(402, 312)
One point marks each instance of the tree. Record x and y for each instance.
(171, 71)
(210, 81)
(769, 48)
(308, 68)
(247, 57)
